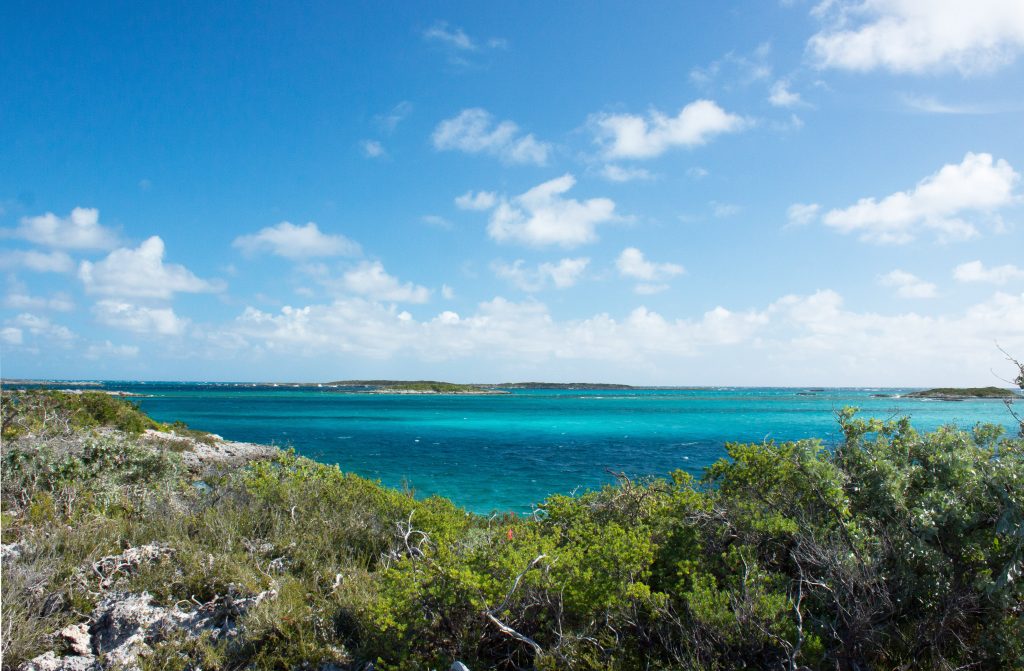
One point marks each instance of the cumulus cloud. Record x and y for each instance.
(141, 272)
(542, 217)
(40, 262)
(634, 136)
(474, 131)
(139, 319)
(561, 275)
(498, 328)
(914, 36)
(907, 285)
(79, 230)
(370, 279)
(631, 263)
(978, 185)
(976, 271)
(618, 173)
(10, 335)
(18, 298)
(42, 326)
(296, 242)
(781, 96)
(481, 200)
(811, 336)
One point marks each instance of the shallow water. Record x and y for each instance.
(509, 451)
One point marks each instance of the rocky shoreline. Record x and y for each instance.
(210, 450)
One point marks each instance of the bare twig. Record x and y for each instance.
(504, 628)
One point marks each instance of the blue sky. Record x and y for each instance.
(726, 193)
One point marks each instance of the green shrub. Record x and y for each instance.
(893, 549)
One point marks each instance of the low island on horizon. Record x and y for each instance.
(385, 386)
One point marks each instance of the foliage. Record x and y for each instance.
(893, 549)
(42, 412)
(964, 392)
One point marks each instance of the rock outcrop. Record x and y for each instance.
(215, 451)
(125, 626)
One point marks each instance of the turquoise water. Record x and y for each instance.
(507, 452)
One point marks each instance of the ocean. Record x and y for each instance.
(508, 452)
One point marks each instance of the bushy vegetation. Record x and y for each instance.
(47, 413)
(965, 392)
(435, 387)
(893, 549)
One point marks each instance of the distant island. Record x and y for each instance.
(960, 393)
(414, 387)
(436, 387)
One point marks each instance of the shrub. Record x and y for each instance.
(893, 549)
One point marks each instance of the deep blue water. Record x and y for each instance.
(509, 451)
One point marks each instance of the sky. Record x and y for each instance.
(730, 193)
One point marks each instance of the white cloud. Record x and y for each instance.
(40, 262)
(372, 149)
(42, 326)
(807, 339)
(631, 263)
(79, 230)
(541, 217)
(18, 298)
(459, 45)
(11, 335)
(108, 350)
(633, 136)
(296, 242)
(481, 200)
(975, 271)
(801, 214)
(781, 96)
(370, 279)
(914, 36)
(907, 285)
(139, 319)
(561, 275)
(938, 203)
(474, 131)
(618, 173)
(697, 172)
(447, 292)
(453, 36)
(141, 272)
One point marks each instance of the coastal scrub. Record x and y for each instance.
(894, 549)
